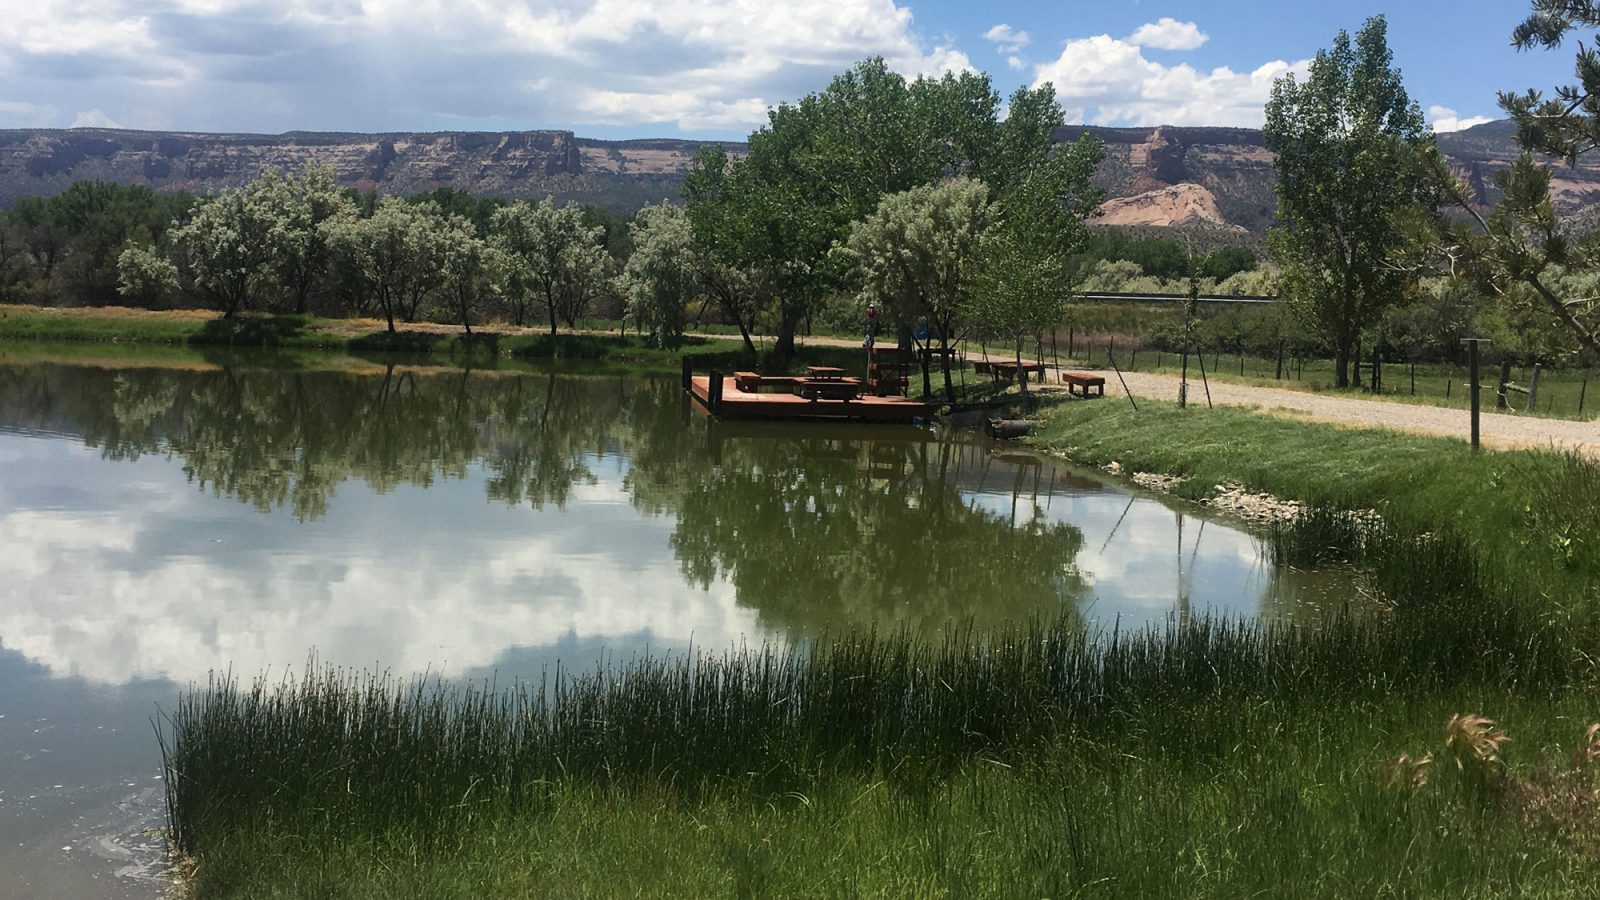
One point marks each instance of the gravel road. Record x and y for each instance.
(1498, 429)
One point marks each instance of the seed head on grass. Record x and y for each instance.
(1474, 738)
(1406, 771)
(1589, 751)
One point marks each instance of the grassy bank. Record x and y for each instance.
(1294, 806)
(202, 330)
(1532, 515)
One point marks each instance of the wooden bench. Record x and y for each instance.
(747, 382)
(1080, 385)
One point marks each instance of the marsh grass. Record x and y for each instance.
(372, 753)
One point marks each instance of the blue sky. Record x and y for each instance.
(699, 68)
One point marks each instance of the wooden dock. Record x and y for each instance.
(736, 404)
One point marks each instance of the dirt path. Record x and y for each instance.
(1498, 429)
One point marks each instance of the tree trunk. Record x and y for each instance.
(1341, 365)
(783, 347)
(944, 357)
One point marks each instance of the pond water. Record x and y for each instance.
(165, 520)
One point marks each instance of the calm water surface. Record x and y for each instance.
(162, 522)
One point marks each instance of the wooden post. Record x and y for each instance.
(714, 393)
(1241, 363)
(1205, 381)
(1582, 392)
(1413, 378)
(1279, 376)
(1533, 389)
(1071, 333)
(1500, 401)
(1472, 366)
(688, 371)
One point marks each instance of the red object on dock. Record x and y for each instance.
(736, 404)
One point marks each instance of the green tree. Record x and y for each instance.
(918, 255)
(550, 253)
(226, 246)
(396, 254)
(300, 253)
(1347, 142)
(1517, 247)
(721, 234)
(467, 265)
(660, 275)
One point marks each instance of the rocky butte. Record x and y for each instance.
(1220, 180)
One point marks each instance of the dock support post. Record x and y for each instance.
(714, 392)
(688, 370)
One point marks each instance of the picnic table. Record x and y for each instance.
(832, 387)
(824, 373)
(1008, 370)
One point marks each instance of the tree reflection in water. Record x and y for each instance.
(815, 526)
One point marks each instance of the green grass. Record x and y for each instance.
(1289, 806)
(1515, 509)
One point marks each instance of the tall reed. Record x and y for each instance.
(367, 751)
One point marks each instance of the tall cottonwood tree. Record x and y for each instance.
(1348, 142)
(825, 162)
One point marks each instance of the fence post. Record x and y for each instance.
(1533, 389)
(1472, 365)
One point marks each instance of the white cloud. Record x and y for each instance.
(1016, 62)
(1110, 82)
(1169, 34)
(376, 64)
(1007, 39)
(93, 118)
(1445, 119)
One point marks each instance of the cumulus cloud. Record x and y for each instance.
(1444, 120)
(1007, 39)
(93, 118)
(283, 64)
(1169, 34)
(1106, 81)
